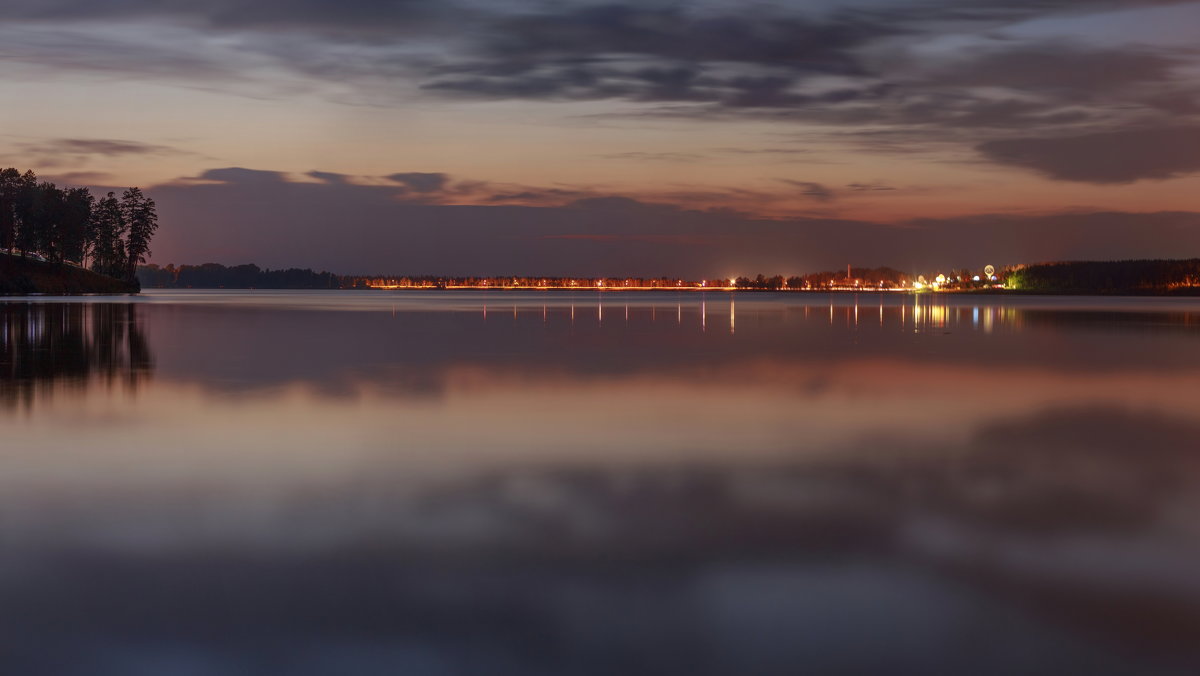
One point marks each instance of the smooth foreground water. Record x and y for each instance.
(347, 483)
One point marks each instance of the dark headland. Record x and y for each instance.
(66, 241)
(20, 276)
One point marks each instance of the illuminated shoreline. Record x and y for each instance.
(484, 287)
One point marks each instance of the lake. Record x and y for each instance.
(504, 482)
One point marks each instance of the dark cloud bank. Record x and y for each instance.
(1047, 106)
(242, 215)
(1110, 157)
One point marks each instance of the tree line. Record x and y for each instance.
(217, 276)
(1109, 277)
(110, 235)
(883, 277)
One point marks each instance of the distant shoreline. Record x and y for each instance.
(1151, 278)
(1182, 293)
(694, 289)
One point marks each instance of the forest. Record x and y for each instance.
(1109, 277)
(70, 226)
(217, 276)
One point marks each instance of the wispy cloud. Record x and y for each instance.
(100, 147)
(814, 191)
(642, 156)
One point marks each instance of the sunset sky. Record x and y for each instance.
(709, 137)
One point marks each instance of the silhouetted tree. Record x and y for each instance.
(75, 230)
(42, 208)
(108, 228)
(28, 223)
(141, 221)
(10, 189)
(69, 224)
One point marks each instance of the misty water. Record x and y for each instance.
(598, 483)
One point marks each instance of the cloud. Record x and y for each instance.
(660, 54)
(642, 156)
(161, 51)
(239, 175)
(421, 182)
(597, 21)
(240, 215)
(697, 84)
(1060, 67)
(863, 67)
(814, 191)
(64, 152)
(103, 147)
(993, 12)
(359, 16)
(539, 196)
(80, 178)
(764, 151)
(675, 34)
(849, 64)
(69, 155)
(330, 177)
(1104, 158)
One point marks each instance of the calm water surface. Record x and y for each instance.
(554, 483)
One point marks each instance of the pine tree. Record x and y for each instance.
(28, 223)
(141, 220)
(10, 188)
(108, 226)
(75, 226)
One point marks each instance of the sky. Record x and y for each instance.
(693, 138)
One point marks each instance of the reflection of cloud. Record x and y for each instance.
(1003, 480)
(497, 554)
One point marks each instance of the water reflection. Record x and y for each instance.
(954, 488)
(49, 348)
